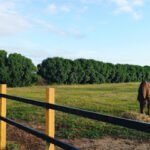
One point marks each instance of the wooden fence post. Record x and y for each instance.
(3, 114)
(50, 117)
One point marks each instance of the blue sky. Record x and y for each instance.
(116, 31)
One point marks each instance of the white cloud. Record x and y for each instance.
(11, 21)
(65, 8)
(90, 1)
(138, 2)
(128, 6)
(50, 27)
(57, 30)
(52, 8)
(55, 8)
(83, 9)
(137, 15)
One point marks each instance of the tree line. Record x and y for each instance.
(82, 71)
(17, 70)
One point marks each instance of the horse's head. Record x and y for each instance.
(142, 94)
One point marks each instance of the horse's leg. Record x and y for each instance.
(148, 106)
(141, 108)
(142, 104)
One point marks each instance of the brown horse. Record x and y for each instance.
(144, 96)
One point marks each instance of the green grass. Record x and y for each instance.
(12, 146)
(112, 99)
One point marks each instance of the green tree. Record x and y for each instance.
(55, 70)
(121, 73)
(76, 73)
(3, 67)
(21, 70)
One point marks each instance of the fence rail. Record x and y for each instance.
(39, 134)
(137, 125)
(49, 119)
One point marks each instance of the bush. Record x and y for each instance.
(16, 70)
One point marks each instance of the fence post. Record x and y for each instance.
(3, 114)
(50, 117)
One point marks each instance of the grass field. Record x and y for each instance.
(113, 99)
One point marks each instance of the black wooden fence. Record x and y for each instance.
(140, 126)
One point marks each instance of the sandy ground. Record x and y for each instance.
(29, 142)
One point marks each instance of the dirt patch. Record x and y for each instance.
(25, 140)
(110, 143)
(30, 142)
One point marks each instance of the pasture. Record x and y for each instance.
(112, 99)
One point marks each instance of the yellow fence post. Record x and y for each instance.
(50, 117)
(3, 114)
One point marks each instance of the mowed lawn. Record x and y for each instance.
(112, 99)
